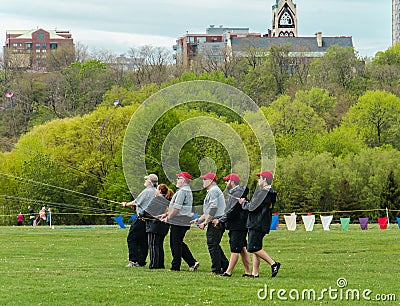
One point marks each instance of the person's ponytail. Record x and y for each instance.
(169, 194)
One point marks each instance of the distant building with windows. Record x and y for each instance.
(212, 43)
(28, 49)
(224, 42)
(395, 21)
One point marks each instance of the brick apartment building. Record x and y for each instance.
(28, 49)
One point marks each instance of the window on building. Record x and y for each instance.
(40, 35)
(15, 46)
(201, 39)
(28, 46)
(53, 46)
(286, 19)
(44, 46)
(37, 46)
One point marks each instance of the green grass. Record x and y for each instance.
(86, 266)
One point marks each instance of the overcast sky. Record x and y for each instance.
(118, 25)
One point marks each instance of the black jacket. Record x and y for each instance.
(235, 217)
(260, 210)
(156, 207)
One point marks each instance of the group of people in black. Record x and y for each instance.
(159, 209)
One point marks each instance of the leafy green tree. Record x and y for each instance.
(294, 124)
(320, 100)
(304, 183)
(60, 58)
(376, 117)
(258, 83)
(336, 68)
(114, 184)
(391, 56)
(339, 141)
(384, 70)
(85, 83)
(391, 196)
(279, 65)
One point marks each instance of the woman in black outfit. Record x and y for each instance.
(157, 230)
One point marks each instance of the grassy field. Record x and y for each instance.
(86, 266)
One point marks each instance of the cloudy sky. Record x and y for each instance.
(118, 25)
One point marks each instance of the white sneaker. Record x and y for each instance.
(132, 264)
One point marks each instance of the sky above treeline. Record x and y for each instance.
(119, 25)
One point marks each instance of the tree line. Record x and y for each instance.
(335, 120)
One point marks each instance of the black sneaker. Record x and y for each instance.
(226, 274)
(275, 268)
(194, 267)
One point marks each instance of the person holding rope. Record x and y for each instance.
(235, 219)
(32, 216)
(213, 208)
(42, 215)
(178, 216)
(156, 229)
(137, 237)
(259, 221)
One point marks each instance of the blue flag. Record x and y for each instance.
(120, 221)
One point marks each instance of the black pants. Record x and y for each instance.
(156, 248)
(179, 249)
(219, 262)
(137, 242)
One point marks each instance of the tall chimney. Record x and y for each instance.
(318, 36)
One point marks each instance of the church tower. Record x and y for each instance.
(284, 20)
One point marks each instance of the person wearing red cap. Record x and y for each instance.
(213, 208)
(235, 219)
(178, 216)
(259, 221)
